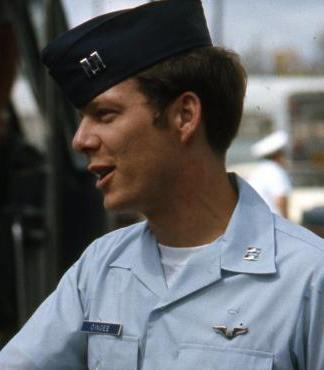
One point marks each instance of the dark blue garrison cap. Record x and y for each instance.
(108, 49)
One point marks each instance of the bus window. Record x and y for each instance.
(254, 126)
(307, 129)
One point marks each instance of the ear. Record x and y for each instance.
(185, 114)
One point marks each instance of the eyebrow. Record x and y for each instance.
(93, 105)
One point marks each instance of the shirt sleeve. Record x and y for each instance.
(309, 343)
(51, 339)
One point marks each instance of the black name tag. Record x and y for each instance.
(102, 328)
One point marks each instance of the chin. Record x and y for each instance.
(118, 204)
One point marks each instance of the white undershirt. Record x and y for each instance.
(175, 259)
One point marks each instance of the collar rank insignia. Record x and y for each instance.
(230, 333)
(252, 254)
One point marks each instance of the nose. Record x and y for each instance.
(85, 139)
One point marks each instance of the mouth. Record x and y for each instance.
(102, 173)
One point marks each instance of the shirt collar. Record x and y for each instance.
(251, 226)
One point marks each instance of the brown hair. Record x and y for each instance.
(215, 75)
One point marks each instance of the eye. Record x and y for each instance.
(105, 114)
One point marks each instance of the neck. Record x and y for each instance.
(198, 209)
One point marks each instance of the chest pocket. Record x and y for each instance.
(194, 356)
(111, 353)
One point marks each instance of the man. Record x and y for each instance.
(270, 178)
(212, 279)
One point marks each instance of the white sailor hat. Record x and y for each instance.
(270, 144)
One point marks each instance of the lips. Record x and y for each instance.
(103, 173)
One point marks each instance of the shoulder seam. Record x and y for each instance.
(298, 237)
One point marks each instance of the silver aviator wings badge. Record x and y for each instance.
(230, 333)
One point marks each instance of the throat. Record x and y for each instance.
(188, 233)
(198, 221)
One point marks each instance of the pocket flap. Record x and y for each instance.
(195, 356)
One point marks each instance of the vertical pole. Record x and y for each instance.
(18, 244)
(55, 21)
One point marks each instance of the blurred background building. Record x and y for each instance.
(49, 208)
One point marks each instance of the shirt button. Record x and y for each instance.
(175, 354)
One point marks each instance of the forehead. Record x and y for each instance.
(124, 92)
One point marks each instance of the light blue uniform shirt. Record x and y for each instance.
(277, 293)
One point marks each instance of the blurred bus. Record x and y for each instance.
(295, 105)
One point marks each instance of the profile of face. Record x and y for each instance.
(134, 159)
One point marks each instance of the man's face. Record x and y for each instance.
(134, 160)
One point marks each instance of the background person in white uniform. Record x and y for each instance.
(270, 179)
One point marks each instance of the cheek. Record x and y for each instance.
(134, 162)
(127, 142)
(142, 165)
(137, 146)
